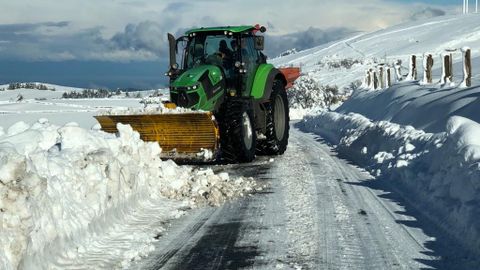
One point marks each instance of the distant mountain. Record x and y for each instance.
(276, 45)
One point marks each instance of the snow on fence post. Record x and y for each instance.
(446, 69)
(427, 68)
(375, 80)
(467, 67)
(412, 72)
(388, 77)
(398, 70)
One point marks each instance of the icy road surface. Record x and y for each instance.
(319, 212)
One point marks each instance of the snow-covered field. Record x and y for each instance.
(66, 186)
(48, 104)
(424, 138)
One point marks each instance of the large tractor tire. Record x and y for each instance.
(278, 122)
(237, 131)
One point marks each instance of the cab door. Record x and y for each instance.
(251, 58)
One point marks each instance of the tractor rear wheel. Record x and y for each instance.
(277, 120)
(237, 131)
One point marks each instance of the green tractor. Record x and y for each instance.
(238, 101)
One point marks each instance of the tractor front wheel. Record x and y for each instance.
(277, 120)
(237, 131)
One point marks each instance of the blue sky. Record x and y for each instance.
(121, 43)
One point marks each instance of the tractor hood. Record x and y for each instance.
(198, 88)
(193, 76)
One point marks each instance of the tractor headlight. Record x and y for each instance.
(195, 87)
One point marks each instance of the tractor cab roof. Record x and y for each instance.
(233, 29)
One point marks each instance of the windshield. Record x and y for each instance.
(209, 49)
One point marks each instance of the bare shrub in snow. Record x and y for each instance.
(155, 98)
(288, 52)
(307, 93)
(88, 93)
(354, 85)
(38, 86)
(14, 86)
(346, 63)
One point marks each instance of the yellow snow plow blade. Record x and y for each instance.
(182, 137)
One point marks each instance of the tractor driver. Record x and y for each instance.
(227, 58)
(224, 50)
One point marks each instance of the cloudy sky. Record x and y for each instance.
(121, 43)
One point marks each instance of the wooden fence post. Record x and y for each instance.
(371, 79)
(446, 69)
(381, 77)
(398, 70)
(375, 80)
(467, 67)
(427, 68)
(367, 78)
(412, 72)
(388, 78)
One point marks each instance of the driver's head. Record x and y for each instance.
(223, 45)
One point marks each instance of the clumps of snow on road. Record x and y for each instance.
(61, 186)
(442, 169)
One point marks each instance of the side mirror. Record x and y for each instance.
(259, 43)
(172, 44)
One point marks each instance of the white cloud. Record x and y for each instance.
(286, 15)
(135, 29)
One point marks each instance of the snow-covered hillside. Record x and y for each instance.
(397, 42)
(423, 138)
(29, 105)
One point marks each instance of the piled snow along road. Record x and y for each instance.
(60, 185)
(441, 169)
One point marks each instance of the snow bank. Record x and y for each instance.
(426, 107)
(441, 169)
(59, 185)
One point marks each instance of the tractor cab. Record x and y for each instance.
(226, 57)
